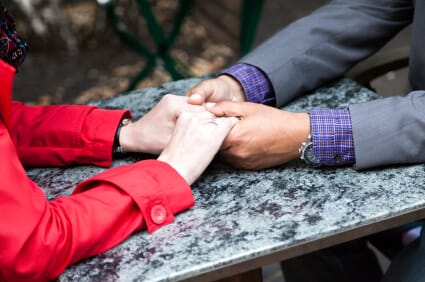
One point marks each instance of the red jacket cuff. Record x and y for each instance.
(99, 131)
(87, 137)
(157, 189)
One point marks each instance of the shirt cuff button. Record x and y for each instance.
(337, 158)
(158, 214)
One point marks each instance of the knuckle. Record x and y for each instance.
(168, 99)
(185, 116)
(246, 163)
(243, 155)
(189, 118)
(235, 139)
(238, 154)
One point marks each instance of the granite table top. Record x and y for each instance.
(242, 216)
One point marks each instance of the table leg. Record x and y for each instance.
(249, 276)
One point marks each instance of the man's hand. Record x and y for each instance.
(264, 136)
(222, 88)
(152, 132)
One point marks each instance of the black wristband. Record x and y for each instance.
(116, 145)
(117, 136)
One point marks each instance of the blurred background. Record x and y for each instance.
(76, 55)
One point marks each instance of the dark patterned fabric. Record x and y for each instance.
(256, 85)
(13, 49)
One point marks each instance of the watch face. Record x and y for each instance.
(309, 156)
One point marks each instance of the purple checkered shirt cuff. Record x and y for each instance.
(254, 82)
(332, 135)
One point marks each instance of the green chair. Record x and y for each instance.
(163, 43)
(250, 16)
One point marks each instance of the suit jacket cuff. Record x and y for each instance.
(389, 131)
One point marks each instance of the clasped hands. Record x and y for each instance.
(188, 131)
(264, 137)
(186, 136)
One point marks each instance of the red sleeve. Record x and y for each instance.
(102, 212)
(64, 134)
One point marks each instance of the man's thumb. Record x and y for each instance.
(200, 93)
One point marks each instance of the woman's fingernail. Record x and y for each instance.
(209, 104)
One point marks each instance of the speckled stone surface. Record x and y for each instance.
(240, 215)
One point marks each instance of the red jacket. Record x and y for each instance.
(39, 239)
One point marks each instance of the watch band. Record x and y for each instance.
(117, 149)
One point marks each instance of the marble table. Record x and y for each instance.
(244, 219)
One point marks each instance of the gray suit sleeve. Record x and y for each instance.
(389, 131)
(325, 44)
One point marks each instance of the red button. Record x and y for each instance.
(158, 214)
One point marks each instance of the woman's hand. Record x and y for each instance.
(196, 140)
(152, 132)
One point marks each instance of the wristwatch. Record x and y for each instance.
(307, 154)
(117, 149)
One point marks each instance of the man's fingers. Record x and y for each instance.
(179, 104)
(227, 109)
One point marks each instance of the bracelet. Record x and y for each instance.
(117, 146)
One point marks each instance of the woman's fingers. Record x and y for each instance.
(196, 139)
(223, 126)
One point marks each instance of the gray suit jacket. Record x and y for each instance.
(325, 44)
